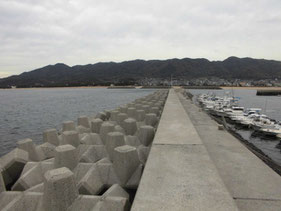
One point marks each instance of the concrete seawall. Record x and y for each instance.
(194, 166)
(151, 154)
(179, 174)
(94, 165)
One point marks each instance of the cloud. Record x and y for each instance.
(37, 33)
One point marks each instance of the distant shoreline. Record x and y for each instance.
(251, 87)
(64, 87)
(124, 87)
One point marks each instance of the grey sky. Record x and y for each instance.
(35, 33)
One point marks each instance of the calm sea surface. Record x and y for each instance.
(26, 113)
(270, 105)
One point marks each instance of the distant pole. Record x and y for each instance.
(171, 83)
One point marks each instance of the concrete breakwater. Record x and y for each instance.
(194, 165)
(268, 92)
(96, 165)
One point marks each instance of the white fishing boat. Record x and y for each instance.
(274, 130)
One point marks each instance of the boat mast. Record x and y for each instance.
(265, 105)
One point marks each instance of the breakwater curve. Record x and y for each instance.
(95, 164)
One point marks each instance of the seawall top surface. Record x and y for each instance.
(175, 126)
(179, 174)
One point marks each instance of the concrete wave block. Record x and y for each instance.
(143, 153)
(138, 106)
(60, 189)
(29, 179)
(131, 104)
(28, 146)
(51, 136)
(140, 115)
(50, 160)
(82, 148)
(66, 156)
(134, 181)
(33, 176)
(89, 156)
(102, 116)
(123, 109)
(132, 112)
(125, 162)
(107, 173)
(100, 151)
(104, 160)
(107, 113)
(24, 201)
(106, 128)
(91, 183)
(2, 183)
(159, 105)
(130, 126)
(81, 129)
(81, 169)
(118, 128)
(120, 118)
(112, 204)
(48, 150)
(151, 119)
(81, 135)
(91, 139)
(84, 202)
(12, 165)
(146, 134)
(116, 191)
(113, 140)
(68, 126)
(39, 188)
(46, 166)
(7, 197)
(113, 115)
(83, 121)
(29, 165)
(155, 110)
(145, 108)
(95, 125)
(70, 137)
(132, 141)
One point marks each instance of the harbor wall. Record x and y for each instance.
(95, 164)
(195, 165)
(268, 92)
(160, 152)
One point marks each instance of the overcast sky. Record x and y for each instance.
(35, 33)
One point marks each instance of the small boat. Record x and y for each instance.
(271, 131)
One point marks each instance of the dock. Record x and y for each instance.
(194, 166)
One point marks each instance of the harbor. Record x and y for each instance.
(252, 112)
(195, 166)
(159, 152)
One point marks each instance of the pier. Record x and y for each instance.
(194, 166)
(160, 152)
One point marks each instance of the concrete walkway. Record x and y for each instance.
(179, 174)
(253, 185)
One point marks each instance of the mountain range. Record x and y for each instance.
(132, 71)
